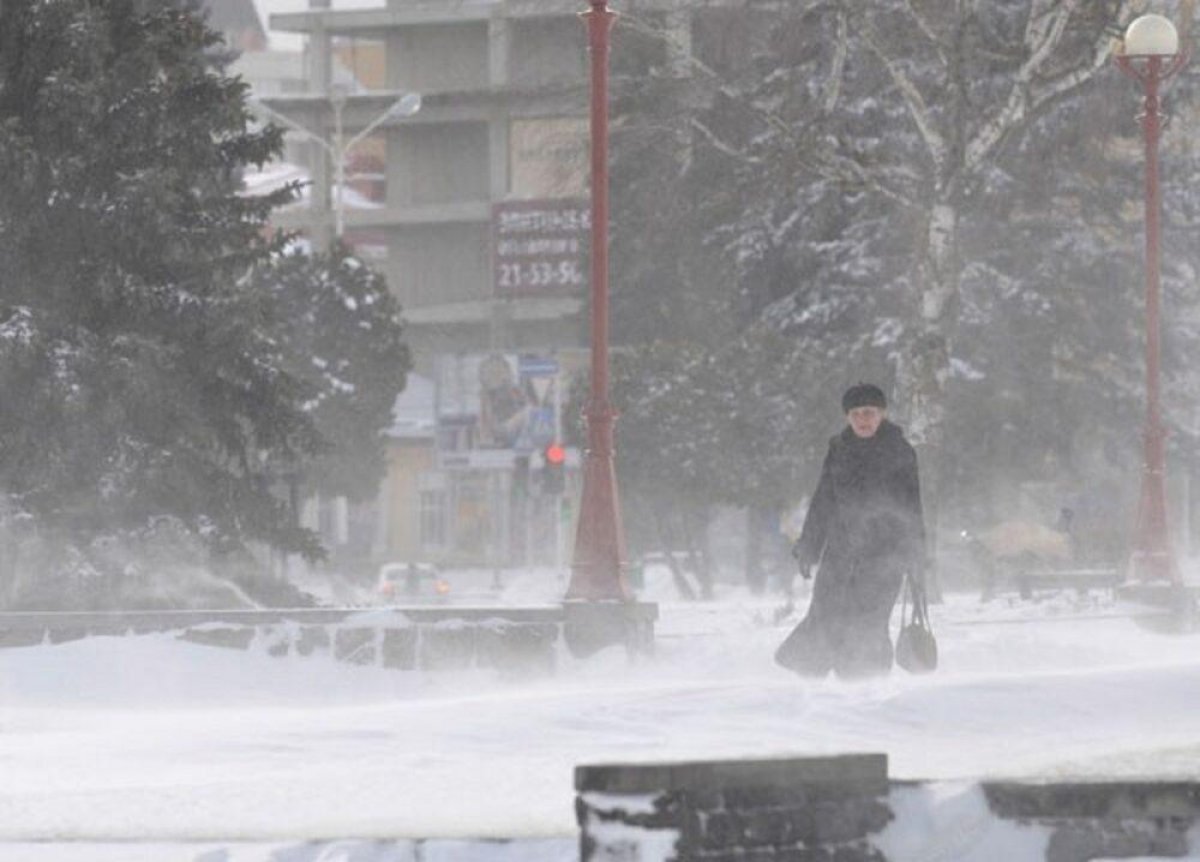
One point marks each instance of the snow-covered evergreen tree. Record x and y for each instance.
(150, 387)
(340, 331)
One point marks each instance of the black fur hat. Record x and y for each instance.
(863, 395)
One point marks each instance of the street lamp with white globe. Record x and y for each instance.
(1151, 55)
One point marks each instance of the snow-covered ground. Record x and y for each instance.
(154, 740)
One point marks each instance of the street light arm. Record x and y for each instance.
(372, 126)
(274, 115)
(406, 105)
(395, 109)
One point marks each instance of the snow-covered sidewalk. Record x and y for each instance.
(152, 739)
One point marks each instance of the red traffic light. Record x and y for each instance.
(554, 454)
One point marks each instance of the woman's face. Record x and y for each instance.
(865, 420)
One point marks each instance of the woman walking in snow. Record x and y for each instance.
(863, 532)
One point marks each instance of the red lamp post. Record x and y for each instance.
(1151, 55)
(597, 569)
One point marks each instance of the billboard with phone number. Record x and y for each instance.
(540, 247)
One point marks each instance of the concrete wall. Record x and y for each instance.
(439, 264)
(763, 810)
(437, 164)
(844, 809)
(434, 58)
(429, 637)
(426, 638)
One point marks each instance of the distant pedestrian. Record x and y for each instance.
(863, 532)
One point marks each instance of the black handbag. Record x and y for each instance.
(916, 647)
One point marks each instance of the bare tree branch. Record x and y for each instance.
(723, 146)
(1031, 89)
(833, 86)
(927, 29)
(935, 143)
(1043, 31)
(822, 159)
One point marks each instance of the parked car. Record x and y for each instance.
(412, 582)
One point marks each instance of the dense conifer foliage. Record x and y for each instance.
(340, 334)
(150, 380)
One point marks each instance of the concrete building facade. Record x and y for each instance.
(481, 226)
(503, 117)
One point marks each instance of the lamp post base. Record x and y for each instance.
(1149, 566)
(590, 626)
(598, 567)
(1152, 558)
(1174, 606)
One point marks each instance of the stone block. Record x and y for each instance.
(111, 630)
(515, 647)
(614, 851)
(823, 777)
(355, 646)
(719, 830)
(311, 639)
(277, 639)
(446, 646)
(802, 824)
(1097, 800)
(65, 635)
(858, 853)
(400, 648)
(804, 854)
(766, 796)
(224, 636)
(1079, 842)
(838, 822)
(691, 830)
(704, 799)
(766, 827)
(589, 627)
(629, 841)
(876, 815)
(21, 637)
(665, 813)
(818, 809)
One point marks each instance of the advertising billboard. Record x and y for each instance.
(496, 401)
(539, 248)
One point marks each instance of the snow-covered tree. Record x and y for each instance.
(150, 386)
(339, 327)
(874, 177)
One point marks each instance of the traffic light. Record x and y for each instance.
(554, 460)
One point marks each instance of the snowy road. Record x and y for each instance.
(152, 739)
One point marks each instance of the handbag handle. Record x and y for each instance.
(920, 607)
